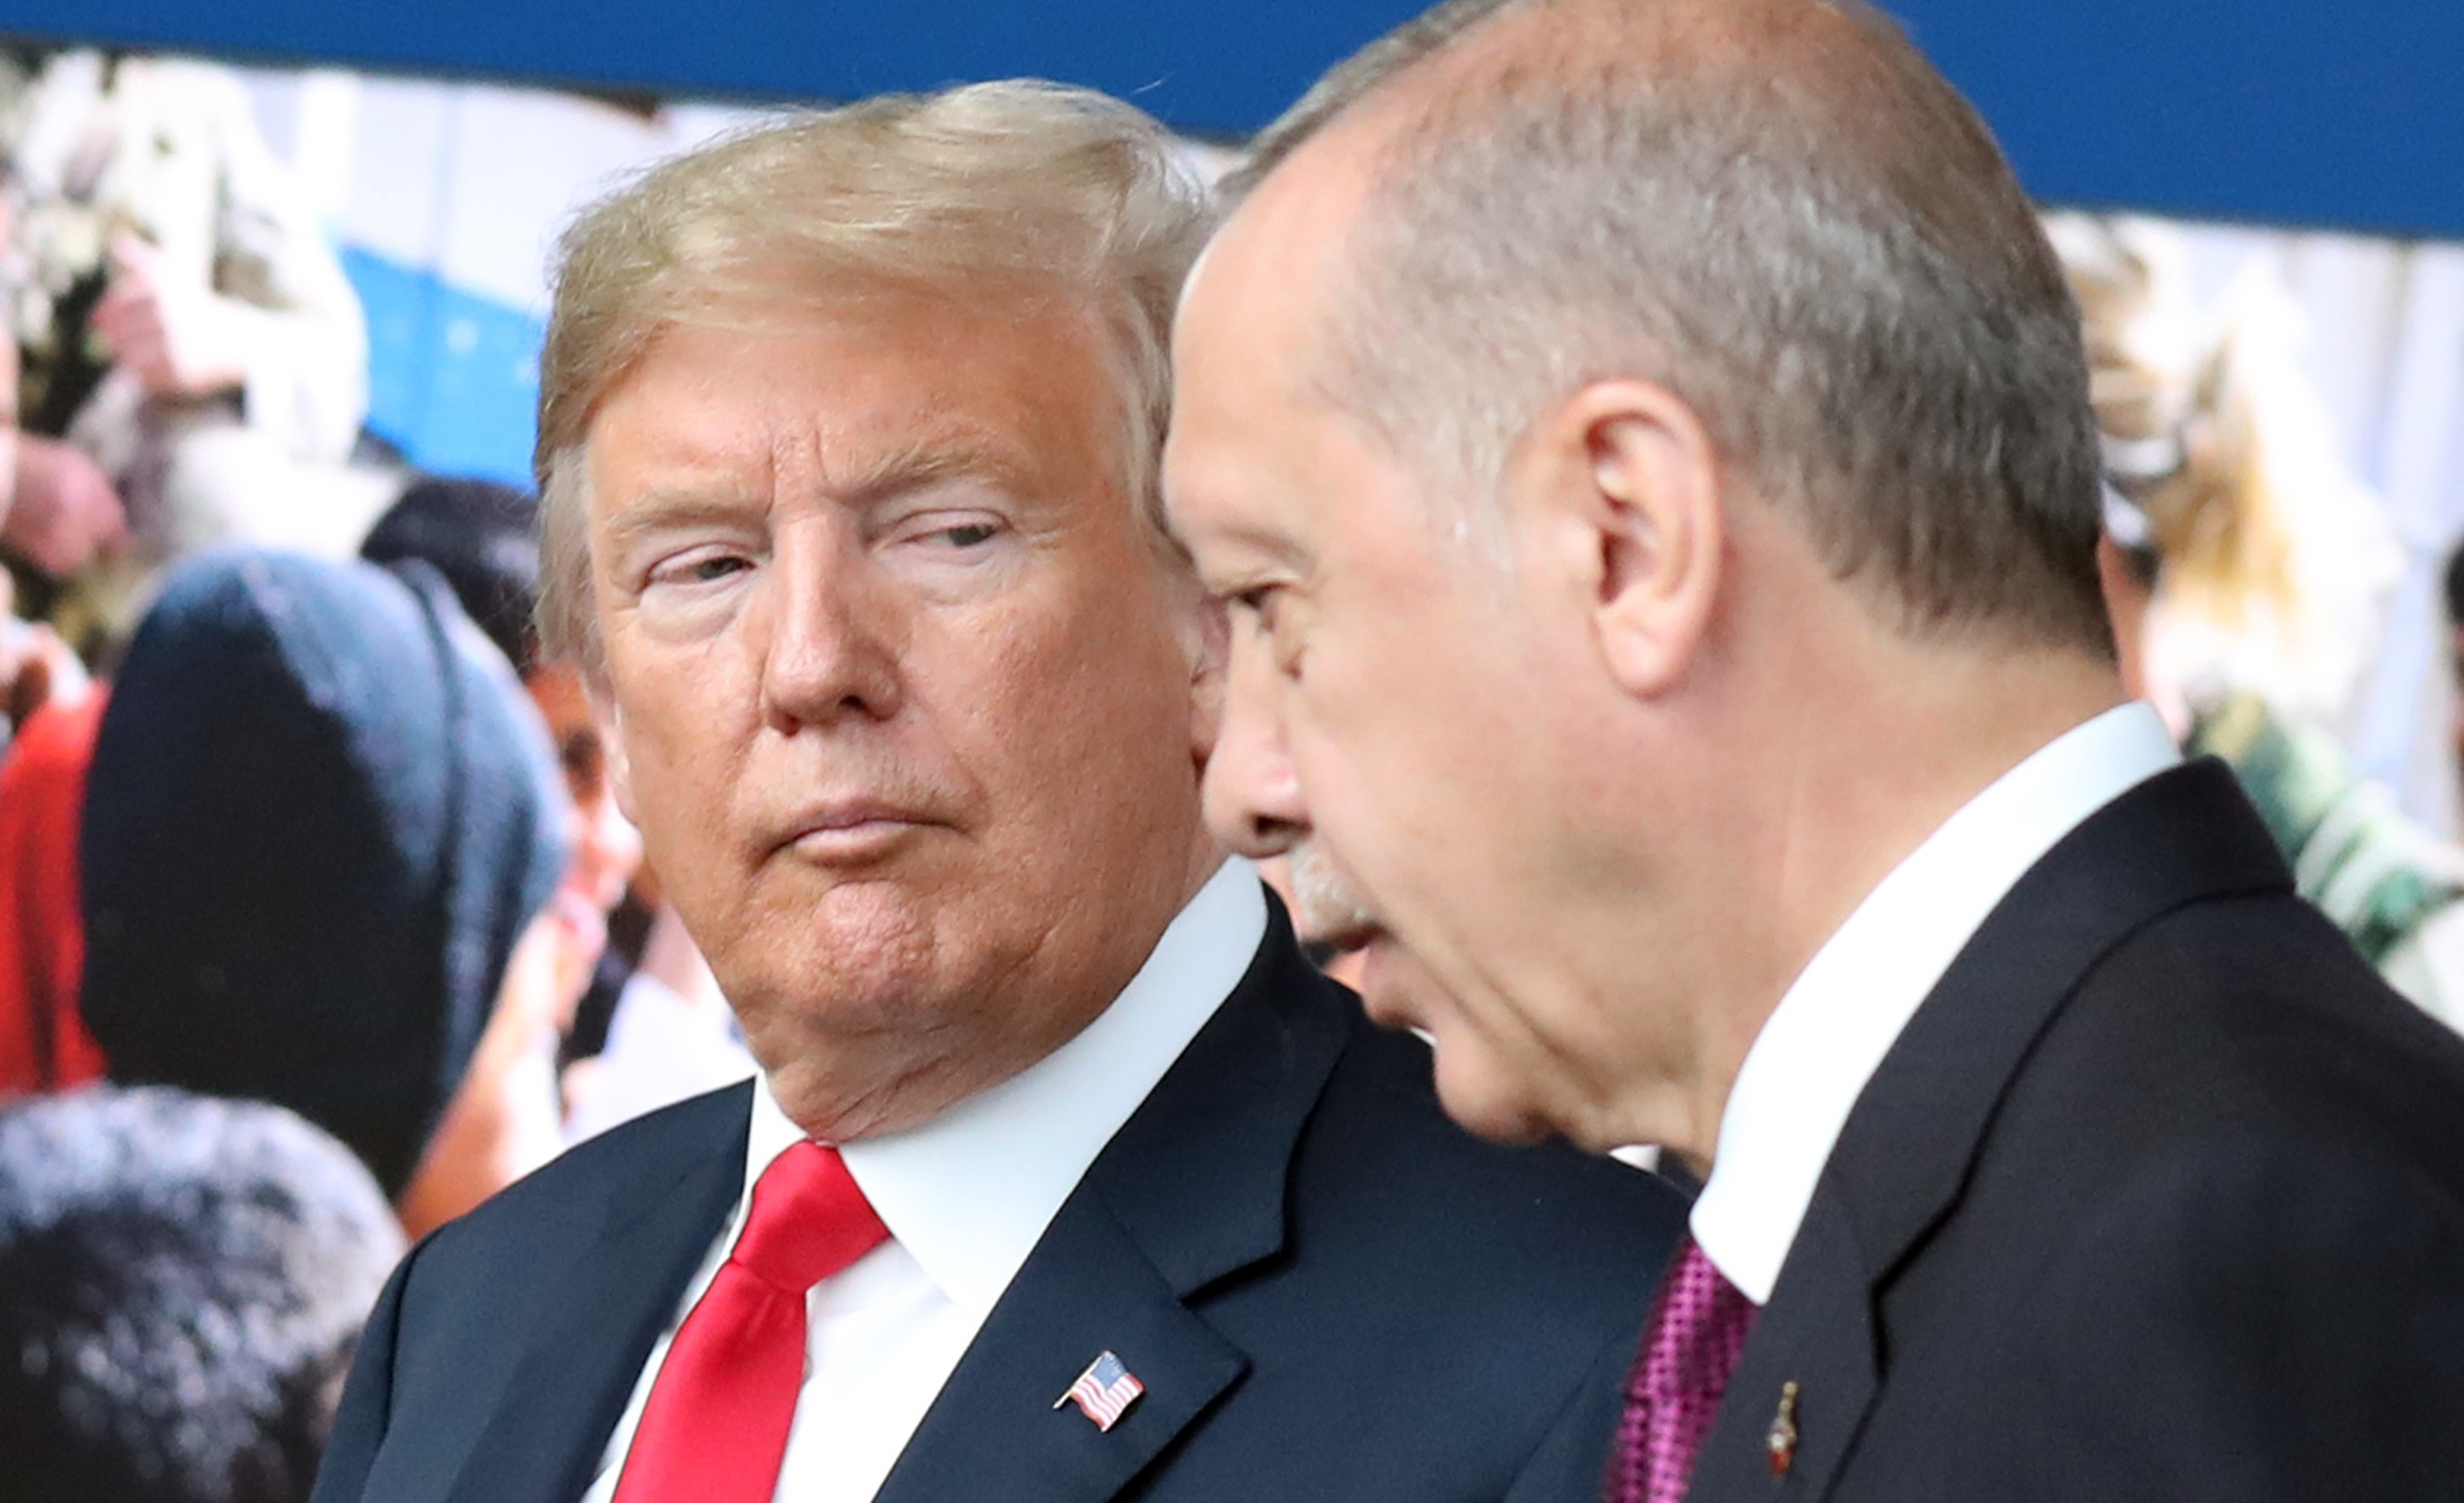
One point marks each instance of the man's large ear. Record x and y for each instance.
(1622, 485)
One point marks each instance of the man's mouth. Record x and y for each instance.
(853, 830)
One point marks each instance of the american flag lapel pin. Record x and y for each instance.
(1103, 1392)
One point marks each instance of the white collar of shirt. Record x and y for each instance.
(969, 1193)
(1830, 1032)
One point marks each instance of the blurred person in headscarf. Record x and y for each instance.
(482, 537)
(2245, 569)
(651, 1029)
(323, 829)
(192, 352)
(182, 1284)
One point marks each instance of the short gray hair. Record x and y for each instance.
(1037, 186)
(1346, 84)
(1779, 211)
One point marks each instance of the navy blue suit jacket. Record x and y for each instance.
(2159, 1197)
(1329, 1292)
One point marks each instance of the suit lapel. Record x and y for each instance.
(1907, 1147)
(1822, 1339)
(599, 1319)
(993, 1431)
(1189, 1190)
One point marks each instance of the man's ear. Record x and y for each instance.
(1623, 485)
(611, 739)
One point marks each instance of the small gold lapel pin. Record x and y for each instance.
(1780, 1440)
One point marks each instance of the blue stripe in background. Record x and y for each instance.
(2290, 111)
(452, 378)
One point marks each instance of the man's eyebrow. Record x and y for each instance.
(659, 510)
(887, 475)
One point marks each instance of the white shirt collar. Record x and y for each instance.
(1830, 1032)
(969, 1193)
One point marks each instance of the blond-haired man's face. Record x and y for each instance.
(896, 690)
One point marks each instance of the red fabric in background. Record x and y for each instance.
(43, 1043)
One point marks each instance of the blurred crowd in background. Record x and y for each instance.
(319, 922)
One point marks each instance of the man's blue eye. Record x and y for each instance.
(971, 535)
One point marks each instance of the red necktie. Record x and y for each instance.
(716, 1427)
(1698, 1331)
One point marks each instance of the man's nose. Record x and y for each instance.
(832, 654)
(1252, 794)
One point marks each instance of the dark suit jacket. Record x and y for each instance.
(2160, 1196)
(1329, 1292)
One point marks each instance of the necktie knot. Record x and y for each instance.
(809, 1220)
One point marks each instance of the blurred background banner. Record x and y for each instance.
(2283, 111)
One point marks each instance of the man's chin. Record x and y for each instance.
(1398, 993)
(1480, 1108)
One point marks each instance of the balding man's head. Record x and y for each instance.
(1776, 209)
(1644, 448)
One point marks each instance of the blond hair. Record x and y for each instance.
(1012, 189)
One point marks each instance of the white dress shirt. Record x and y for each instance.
(965, 1196)
(1830, 1032)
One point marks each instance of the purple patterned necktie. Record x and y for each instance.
(1698, 1329)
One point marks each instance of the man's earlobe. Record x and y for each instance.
(1651, 526)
